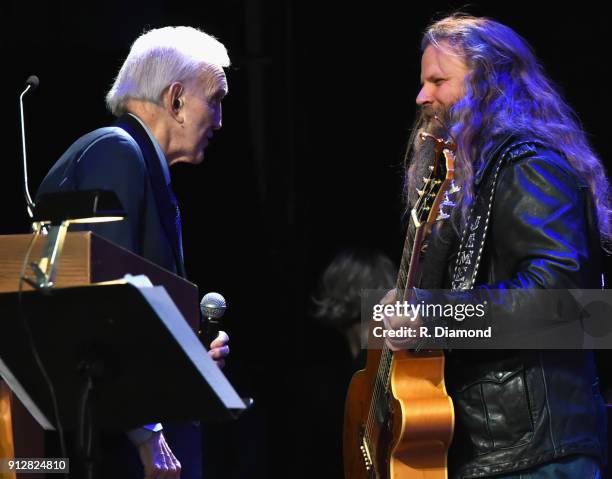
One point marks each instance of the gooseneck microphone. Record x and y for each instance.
(212, 307)
(31, 84)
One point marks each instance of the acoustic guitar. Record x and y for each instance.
(399, 419)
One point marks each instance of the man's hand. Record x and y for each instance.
(219, 348)
(391, 322)
(157, 458)
(396, 323)
(389, 298)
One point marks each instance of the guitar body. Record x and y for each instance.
(413, 440)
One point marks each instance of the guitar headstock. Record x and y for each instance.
(438, 187)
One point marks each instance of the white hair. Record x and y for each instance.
(159, 58)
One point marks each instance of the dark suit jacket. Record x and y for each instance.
(123, 158)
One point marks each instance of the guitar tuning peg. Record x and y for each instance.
(442, 216)
(453, 188)
(420, 192)
(431, 167)
(447, 202)
(426, 180)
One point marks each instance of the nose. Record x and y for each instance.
(423, 97)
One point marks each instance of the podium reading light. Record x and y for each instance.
(56, 211)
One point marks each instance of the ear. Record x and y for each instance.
(174, 102)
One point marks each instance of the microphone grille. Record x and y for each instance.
(213, 305)
(33, 81)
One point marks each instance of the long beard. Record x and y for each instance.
(420, 153)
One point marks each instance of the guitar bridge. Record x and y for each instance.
(365, 451)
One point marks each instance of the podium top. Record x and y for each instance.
(89, 258)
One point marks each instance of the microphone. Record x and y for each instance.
(212, 307)
(31, 84)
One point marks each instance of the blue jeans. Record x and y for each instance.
(570, 467)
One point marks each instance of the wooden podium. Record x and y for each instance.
(86, 258)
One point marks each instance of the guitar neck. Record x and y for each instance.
(406, 278)
(410, 263)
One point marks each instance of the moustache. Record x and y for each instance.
(435, 121)
(428, 113)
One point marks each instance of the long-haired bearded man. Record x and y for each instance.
(518, 413)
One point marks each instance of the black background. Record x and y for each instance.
(308, 161)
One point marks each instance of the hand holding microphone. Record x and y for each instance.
(213, 307)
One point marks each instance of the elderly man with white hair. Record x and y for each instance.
(167, 97)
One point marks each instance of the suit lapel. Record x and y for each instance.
(164, 198)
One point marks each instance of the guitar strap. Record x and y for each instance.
(474, 234)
